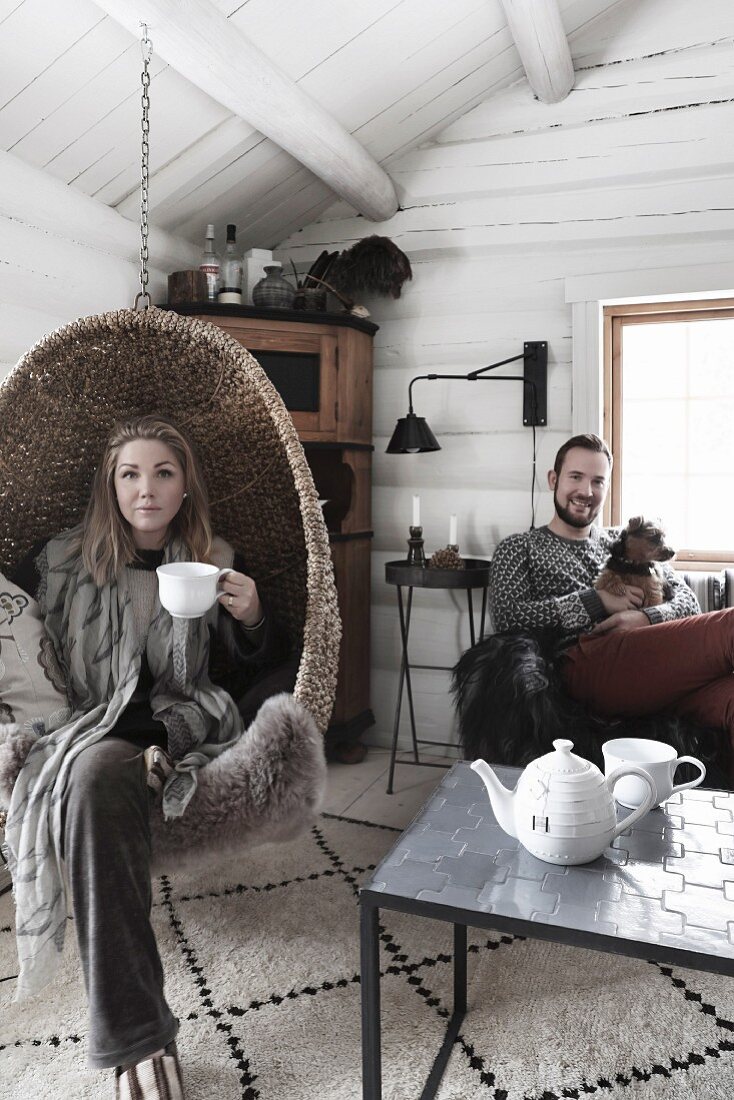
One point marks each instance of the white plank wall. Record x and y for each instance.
(65, 256)
(47, 281)
(635, 169)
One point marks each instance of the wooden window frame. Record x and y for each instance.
(615, 317)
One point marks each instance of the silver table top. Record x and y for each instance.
(669, 881)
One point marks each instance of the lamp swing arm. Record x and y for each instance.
(475, 376)
(472, 377)
(431, 378)
(530, 355)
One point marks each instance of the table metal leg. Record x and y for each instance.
(470, 605)
(482, 616)
(370, 981)
(404, 631)
(404, 679)
(452, 1030)
(369, 918)
(460, 968)
(398, 708)
(408, 682)
(483, 620)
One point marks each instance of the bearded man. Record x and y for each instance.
(620, 659)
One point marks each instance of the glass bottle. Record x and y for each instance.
(230, 290)
(210, 265)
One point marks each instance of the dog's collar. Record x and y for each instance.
(640, 568)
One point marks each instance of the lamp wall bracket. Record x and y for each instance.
(535, 376)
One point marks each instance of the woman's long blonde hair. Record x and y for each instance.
(107, 543)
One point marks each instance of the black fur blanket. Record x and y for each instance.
(512, 706)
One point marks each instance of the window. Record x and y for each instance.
(669, 413)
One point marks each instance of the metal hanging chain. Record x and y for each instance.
(147, 51)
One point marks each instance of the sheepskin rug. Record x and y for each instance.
(261, 954)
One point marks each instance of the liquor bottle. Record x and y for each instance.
(230, 291)
(210, 265)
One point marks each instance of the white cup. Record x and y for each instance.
(187, 589)
(657, 759)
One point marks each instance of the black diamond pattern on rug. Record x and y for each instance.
(261, 955)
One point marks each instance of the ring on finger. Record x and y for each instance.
(229, 601)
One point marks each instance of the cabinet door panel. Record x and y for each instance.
(321, 422)
(316, 423)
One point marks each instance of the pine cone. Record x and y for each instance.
(446, 559)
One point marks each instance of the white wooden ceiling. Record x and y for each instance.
(392, 72)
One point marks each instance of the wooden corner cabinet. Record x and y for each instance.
(321, 364)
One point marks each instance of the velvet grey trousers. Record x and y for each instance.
(107, 856)
(107, 849)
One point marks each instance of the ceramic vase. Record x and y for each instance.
(274, 291)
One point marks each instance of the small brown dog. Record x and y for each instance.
(633, 560)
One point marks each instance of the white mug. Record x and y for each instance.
(187, 589)
(657, 759)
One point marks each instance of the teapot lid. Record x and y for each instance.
(562, 761)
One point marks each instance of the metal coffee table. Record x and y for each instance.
(664, 891)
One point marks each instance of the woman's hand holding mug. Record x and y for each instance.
(238, 595)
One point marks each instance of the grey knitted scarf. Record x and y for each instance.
(94, 635)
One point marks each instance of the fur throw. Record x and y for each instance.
(267, 787)
(512, 706)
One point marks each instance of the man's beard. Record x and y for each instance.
(568, 517)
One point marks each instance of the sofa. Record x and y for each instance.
(511, 705)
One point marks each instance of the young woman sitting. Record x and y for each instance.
(136, 678)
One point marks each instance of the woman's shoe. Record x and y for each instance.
(155, 1078)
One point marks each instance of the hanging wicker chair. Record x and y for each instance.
(56, 410)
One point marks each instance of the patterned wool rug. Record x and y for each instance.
(262, 962)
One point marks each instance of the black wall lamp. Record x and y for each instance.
(413, 436)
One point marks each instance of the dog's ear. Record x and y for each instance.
(619, 546)
(635, 523)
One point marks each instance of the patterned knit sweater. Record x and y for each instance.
(543, 582)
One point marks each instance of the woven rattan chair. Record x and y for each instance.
(57, 407)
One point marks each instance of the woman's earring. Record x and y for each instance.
(185, 495)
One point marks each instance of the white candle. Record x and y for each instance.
(416, 511)
(453, 533)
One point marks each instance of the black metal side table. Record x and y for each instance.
(474, 575)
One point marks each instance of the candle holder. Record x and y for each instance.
(448, 558)
(416, 554)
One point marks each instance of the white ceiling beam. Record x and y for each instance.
(541, 42)
(208, 50)
(37, 200)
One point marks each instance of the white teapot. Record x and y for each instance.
(562, 809)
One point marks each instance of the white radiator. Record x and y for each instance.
(713, 591)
